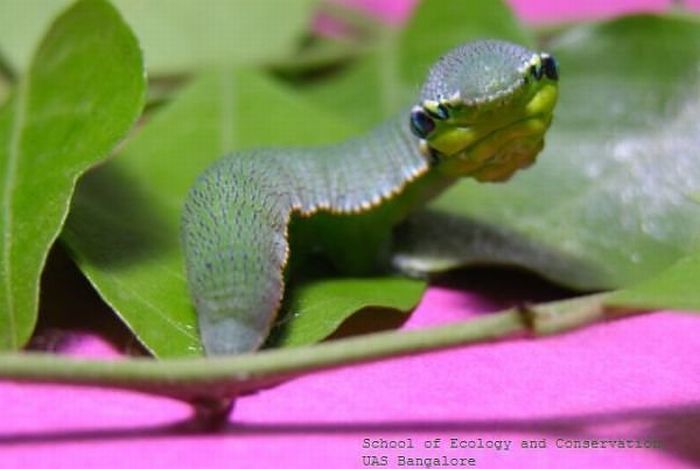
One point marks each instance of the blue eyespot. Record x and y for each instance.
(421, 123)
(551, 67)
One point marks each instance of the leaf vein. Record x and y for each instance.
(153, 308)
(18, 122)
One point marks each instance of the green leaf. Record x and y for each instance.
(177, 35)
(320, 307)
(674, 288)
(124, 225)
(611, 200)
(389, 78)
(82, 93)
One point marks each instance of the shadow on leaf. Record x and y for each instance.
(118, 223)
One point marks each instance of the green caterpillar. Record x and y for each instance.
(482, 113)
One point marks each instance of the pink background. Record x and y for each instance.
(630, 379)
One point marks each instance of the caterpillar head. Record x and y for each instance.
(485, 109)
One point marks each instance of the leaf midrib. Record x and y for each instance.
(13, 155)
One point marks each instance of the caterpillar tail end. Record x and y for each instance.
(228, 335)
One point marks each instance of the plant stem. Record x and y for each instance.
(217, 379)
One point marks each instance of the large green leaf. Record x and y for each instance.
(176, 35)
(124, 224)
(83, 91)
(320, 307)
(389, 78)
(675, 287)
(613, 198)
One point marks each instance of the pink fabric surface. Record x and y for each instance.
(633, 379)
